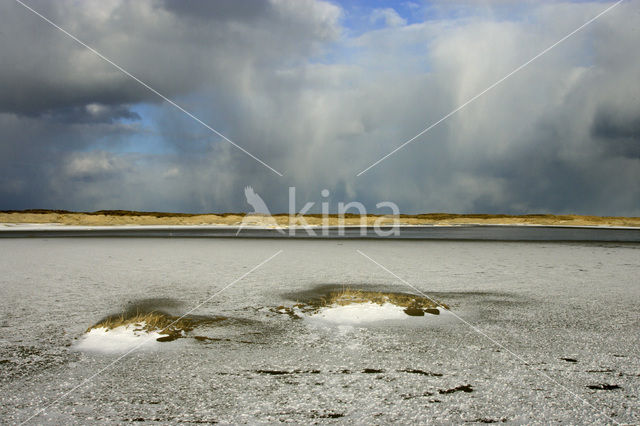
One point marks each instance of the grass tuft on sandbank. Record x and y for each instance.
(173, 326)
(349, 296)
(414, 305)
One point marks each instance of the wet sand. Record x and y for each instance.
(414, 232)
(569, 311)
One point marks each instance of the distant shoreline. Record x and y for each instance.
(123, 217)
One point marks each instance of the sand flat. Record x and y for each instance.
(568, 310)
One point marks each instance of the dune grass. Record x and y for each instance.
(174, 327)
(149, 321)
(126, 217)
(414, 305)
(349, 296)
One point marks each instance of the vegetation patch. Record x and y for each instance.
(327, 415)
(286, 372)
(489, 420)
(414, 305)
(173, 327)
(604, 386)
(421, 372)
(405, 300)
(292, 312)
(127, 217)
(461, 388)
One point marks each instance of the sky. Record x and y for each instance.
(319, 91)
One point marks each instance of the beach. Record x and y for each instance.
(542, 332)
(114, 218)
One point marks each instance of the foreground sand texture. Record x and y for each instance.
(570, 311)
(123, 217)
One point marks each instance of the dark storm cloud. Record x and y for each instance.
(284, 80)
(58, 98)
(90, 113)
(618, 132)
(221, 10)
(43, 69)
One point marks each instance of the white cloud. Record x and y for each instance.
(172, 173)
(92, 164)
(389, 16)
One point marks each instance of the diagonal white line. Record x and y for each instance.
(492, 340)
(147, 340)
(491, 86)
(147, 86)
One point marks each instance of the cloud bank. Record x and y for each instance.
(320, 100)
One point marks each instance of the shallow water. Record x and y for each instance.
(560, 320)
(415, 232)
